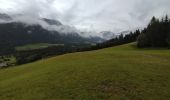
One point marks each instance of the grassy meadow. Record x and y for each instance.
(36, 46)
(117, 73)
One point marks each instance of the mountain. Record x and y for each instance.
(5, 17)
(96, 39)
(52, 22)
(108, 35)
(14, 34)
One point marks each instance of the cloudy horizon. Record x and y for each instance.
(91, 15)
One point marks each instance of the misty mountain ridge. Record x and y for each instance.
(52, 22)
(5, 17)
(108, 35)
(48, 24)
(15, 33)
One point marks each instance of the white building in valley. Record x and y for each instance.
(3, 65)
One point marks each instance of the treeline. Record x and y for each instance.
(157, 33)
(28, 56)
(121, 39)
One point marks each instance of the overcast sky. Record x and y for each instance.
(91, 15)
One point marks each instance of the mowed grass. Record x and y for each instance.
(36, 46)
(117, 73)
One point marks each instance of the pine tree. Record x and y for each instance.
(157, 34)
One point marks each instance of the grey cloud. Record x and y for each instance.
(90, 15)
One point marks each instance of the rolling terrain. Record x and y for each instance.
(117, 73)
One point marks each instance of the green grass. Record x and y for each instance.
(117, 73)
(36, 46)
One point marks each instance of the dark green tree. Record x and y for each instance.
(156, 34)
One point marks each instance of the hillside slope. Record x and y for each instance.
(122, 72)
